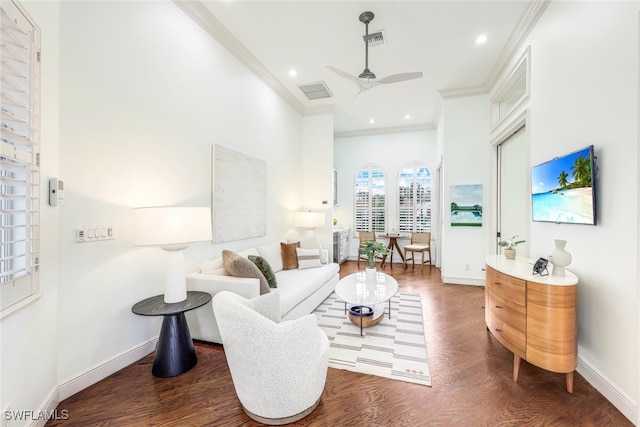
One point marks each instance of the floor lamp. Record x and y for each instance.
(172, 229)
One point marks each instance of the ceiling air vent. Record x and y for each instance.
(375, 38)
(316, 90)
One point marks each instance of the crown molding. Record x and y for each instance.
(529, 19)
(196, 11)
(462, 92)
(321, 109)
(383, 131)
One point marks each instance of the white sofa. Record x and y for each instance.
(300, 291)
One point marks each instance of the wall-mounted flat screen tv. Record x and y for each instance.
(563, 190)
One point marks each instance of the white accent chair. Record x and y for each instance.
(278, 369)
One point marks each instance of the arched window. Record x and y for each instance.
(414, 199)
(370, 210)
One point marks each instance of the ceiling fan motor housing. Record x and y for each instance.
(366, 17)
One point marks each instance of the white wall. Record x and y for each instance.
(143, 94)
(317, 172)
(584, 82)
(467, 159)
(583, 92)
(391, 151)
(28, 371)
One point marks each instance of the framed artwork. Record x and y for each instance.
(239, 187)
(466, 205)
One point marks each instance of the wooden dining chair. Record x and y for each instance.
(420, 244)
(365, 236)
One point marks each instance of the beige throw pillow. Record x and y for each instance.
(312, 242)
(241, 267)
(308, 258)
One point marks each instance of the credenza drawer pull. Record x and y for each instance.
(498, 306)
(498, 330)
(497, 283)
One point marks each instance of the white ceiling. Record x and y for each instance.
(435, 37)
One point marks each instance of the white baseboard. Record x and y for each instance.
(48, 407)
(614, 395)
(88, 378)
(452, 280)
(99, 372)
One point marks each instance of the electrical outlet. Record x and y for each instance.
(466, 266)
(94, 233)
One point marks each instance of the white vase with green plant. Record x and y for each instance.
(509, 246)
(372, 250)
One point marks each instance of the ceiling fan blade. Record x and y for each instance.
(395, 78)
(344, 74)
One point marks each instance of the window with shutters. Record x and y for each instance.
(370, 209)
(414, 199)
(19, 157)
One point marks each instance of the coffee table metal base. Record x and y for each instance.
(361, 311)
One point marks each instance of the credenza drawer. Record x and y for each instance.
(509, 287)
(552, 327)
(508, 323)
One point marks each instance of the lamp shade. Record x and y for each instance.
(309, 219)
(169, 226)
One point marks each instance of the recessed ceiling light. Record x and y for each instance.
(293, 72)
(372, 121)
(482, 38)
(407, 116)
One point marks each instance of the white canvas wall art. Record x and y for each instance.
(239, 195)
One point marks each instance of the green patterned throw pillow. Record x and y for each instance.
(266, 269)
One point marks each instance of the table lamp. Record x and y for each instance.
(309, 220)
(173, 229)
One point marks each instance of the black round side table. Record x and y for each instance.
(174, 352)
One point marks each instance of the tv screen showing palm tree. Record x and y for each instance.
(562, 189)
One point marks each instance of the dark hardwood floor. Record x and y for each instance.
(471, 375)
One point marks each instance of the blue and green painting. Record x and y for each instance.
(466, 205)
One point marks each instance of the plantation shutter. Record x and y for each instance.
(370, 208)
(19, 155)
(363, 197)
(414, 199)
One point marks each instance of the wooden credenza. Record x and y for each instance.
(533, 316)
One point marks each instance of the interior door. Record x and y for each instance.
(514, 192)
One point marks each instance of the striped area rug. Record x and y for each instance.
(394, 348)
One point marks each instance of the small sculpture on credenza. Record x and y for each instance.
(559, 258)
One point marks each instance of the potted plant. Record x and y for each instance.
(371, 250)
(510, 246)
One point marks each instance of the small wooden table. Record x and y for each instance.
(174, 352)
(393, 243)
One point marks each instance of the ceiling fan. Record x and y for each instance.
(365, 80)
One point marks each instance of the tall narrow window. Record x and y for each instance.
(19, 156)
(414, 199)
(370, 209)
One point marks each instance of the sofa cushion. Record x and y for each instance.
(308, 258)
(312, 242)
(294, 286)
(239, 266)
(289, 256)
(273, 255)
(209, 267)
(265, 268)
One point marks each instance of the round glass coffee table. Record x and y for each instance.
(366, 297)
